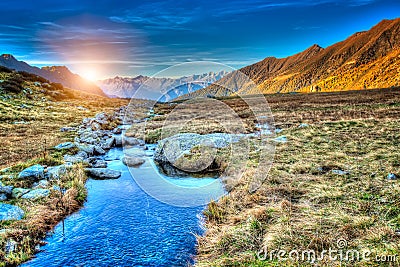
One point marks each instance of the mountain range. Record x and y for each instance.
(365, 60)
(57, 74)
(162, 89)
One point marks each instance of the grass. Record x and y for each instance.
(303, 204)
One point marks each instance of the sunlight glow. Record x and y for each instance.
(90, 75)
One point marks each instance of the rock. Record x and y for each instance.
(132, 161)
(191, 152)
(55, 173)
(135, 152)
(41, 184)
(66, 145)
(117, 130)
(6, 189)
(303, 125)
(392, 176)
(99, 151)
(340, 172)
(33, 173)
(82, 154)
(68, 129)
(18, 192)
(96, 163)
(103, 173)
(89, 149)
(118, 140)
(10, 212)
(73, 159)
(281, 139)
(36, 194)
(131, 141)
(3, 197)
(108, 143)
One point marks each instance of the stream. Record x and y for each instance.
(121, 225)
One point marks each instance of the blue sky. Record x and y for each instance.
(129, 38)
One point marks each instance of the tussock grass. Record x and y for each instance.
(302, 204)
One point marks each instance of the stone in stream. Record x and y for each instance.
(118, 140)
(108, 143)
(192, 152)
(10, 212)
(131, 141)
(99, 151)
(33, 173)
(19, 192)
(132, 161)
(36, 194)
(66, 145)
(96, 163)
(103, 173)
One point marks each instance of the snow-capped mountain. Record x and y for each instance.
(161, 89)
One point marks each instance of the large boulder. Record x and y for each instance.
(103, 173)
(191, 152)
(33, 173)
(10, 212)
(36, 194)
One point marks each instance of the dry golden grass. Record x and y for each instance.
(302, 204)
(42, 122)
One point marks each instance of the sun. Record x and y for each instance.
(90, 75)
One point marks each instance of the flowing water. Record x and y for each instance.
(121, 225)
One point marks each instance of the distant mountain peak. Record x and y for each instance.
(8, 57)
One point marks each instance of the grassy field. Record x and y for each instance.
(328, 182)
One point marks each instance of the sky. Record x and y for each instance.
(104, 38)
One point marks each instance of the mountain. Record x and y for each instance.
(57, 74)
(162, 89)
(365, 60)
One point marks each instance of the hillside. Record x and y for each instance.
(57, 74)
(365, 60)
(164, 89)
